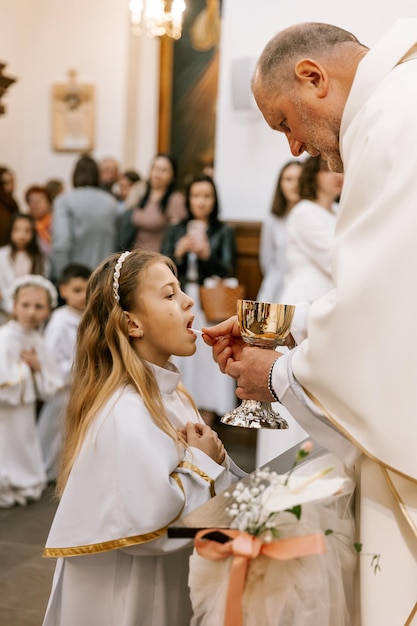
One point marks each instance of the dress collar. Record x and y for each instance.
(168, 376)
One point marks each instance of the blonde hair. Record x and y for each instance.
(105, 359)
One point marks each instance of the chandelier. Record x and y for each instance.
(157, 17)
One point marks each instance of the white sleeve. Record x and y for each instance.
(313, 236)
(49, 379)
(57, 340)
(292, 395)
(300, 322)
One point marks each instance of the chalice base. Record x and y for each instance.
(254, 414)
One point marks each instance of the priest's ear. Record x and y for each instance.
(312, 75)
(134, 327)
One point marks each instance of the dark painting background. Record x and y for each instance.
(194, 95)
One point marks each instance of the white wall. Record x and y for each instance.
(40, 40)
(248, 153)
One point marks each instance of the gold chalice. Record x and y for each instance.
(265, 325)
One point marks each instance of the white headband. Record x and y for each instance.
(116, 275)
(35, 280)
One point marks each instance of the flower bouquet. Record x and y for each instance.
(288, 558)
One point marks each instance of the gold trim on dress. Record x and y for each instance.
(114, 544)
(104, 546)
(203, 475)
(13, 383)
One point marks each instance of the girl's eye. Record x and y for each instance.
(170, 296)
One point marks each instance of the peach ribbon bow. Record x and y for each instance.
(243, 547)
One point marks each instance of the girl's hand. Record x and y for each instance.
(31, 358)
(204, 438)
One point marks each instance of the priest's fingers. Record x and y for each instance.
(214, 333)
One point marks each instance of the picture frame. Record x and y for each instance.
(73, 115)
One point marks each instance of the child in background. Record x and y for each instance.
(27, 372)
(136, 454)
(60, 337)
(20, 256)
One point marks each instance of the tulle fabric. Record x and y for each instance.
(314, 590)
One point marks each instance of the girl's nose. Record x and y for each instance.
(188, 302)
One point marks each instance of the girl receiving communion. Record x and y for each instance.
(136, 454)
(28, 373)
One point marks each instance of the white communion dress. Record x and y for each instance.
(116, 566)
(60, 337)
(22, 473)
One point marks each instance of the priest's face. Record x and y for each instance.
(309, 123)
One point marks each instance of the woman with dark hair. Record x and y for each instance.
(273, 242)
(202, 246)
(84, 224)
(8, 205)
(311, 226)
(160, 205)
(39, 204)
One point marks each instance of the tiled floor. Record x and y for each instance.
(25, 577)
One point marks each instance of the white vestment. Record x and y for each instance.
(357, 371)
(60, 337)
(22, 473)
(130, 481)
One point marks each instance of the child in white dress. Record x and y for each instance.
(28, 373)
(19, 257)
(60, 337)
(136, 454)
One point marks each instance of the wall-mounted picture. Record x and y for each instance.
(73, 115)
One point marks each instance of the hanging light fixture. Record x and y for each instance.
(157, 17)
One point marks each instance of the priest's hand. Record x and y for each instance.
(249, 366)
(225, 340)
(251, 371)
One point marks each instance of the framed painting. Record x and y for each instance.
(73, 116)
